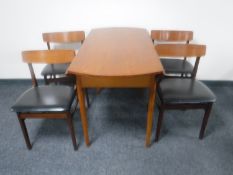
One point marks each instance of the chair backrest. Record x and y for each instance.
(47, 57)
(171, 36)
(63, 37)
(182, 50)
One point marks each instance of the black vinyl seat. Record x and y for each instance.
(184, 91)
(45, 99)
(176, 66)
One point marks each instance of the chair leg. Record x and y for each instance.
(71, 130)
(87, 98)
(25, 133)
(46, 80)
(159, 124)
(205, 120)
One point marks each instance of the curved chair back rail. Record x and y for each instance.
(64, 37)
(180, 50)
(171, 35)
(48, 56)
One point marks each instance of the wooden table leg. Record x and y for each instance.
(81, 99)
(150, 113)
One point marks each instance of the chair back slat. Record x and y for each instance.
(34, 80)
(48, 56)
(171, 35)
(180, 50)
(64, 37)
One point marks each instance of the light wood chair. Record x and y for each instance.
(183, 93)
(46, 101)
(175, 66)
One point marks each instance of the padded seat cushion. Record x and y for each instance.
(58, 69)
(45, 99)
(176, 66)
(184, 91)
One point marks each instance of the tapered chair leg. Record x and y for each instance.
(205, 120)
(159, 124)
(71, 130)
(25, 133)
(46, 80)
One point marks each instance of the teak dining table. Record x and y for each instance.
(116, 58)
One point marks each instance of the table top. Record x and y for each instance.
(116, 52)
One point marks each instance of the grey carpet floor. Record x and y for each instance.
(117, 120)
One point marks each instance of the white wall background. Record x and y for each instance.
(22, 23)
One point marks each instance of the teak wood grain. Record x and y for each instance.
(116, 58)
(180, 50)
(64, 37)
(171, 35)
(48, 56)
(116, 52)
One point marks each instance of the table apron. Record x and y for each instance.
(139, 81)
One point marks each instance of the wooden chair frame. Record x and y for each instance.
(162, 107)
(183, 51)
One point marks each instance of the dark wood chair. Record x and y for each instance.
(175, 66)
(55, 73)
(183, 93)
(47, 101)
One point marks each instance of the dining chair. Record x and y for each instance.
(55, 70)
(46, 101)
(55, 73)
(183, 93)
(175, 66)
